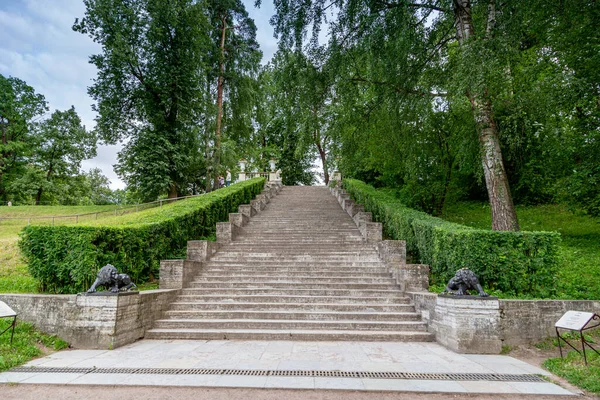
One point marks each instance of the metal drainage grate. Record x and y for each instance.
(292, 373)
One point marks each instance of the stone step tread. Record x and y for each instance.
(299, 321)
(289, 285)
(203, 277)
(316, 273)
(295, 295)
(356, 324)
(293, 307)
(311, 315)
(298, 334)
(305, 299)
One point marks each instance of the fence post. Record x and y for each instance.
(52, 221)
(96, 215)
(77, 219)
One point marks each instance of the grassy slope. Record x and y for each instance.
(14, 277)
(579, 274)
(28, 343)
(9, 229)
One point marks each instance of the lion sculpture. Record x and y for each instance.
(463, 281)
(109, 277)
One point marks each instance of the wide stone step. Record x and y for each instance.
(293, 315)
(291, 291)
(282, 298)
(310, 272)
(289, 324)
(297, 334)
(191, 307)
(297, 258)
(292, 284)
(298, 253)
(285, 246)
(321, 265)
(294, 278)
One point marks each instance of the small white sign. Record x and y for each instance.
(6, 311)
(574, 320)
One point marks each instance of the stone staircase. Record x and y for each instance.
(298, 270)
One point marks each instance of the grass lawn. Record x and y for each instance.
(28, 343)
(42, 215)
(579, 254)
(572, 367)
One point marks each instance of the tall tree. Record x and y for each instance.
(20, 106)
(236, 57)
(416, 40)
(61, 144)
(149, 86)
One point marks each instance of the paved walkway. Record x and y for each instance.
(424, 358)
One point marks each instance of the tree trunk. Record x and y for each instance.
(173, 191)
(504, 217)
(217, 158)
(324, 162)
(38, 196)
(207, 155)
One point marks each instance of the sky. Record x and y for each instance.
(38, 46)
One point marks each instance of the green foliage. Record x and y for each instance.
(511, 262)
(149, 86)
(65, 259)
(578, 274)
(61, 144)
(26, 344)
(19, 106)
(407, 87)
(574, 370)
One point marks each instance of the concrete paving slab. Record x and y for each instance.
(15, 377)
(539, 388)
(55, 378)
(289, 355)
(98, 379)
(487, 387)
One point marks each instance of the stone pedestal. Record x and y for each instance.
(411, 277)
(468, 324)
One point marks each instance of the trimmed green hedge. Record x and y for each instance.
(516, 263)
(65, 259)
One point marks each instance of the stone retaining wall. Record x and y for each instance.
(485, 326)
(92, 322)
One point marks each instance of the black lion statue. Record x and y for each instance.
(109, 277)
(462, 282)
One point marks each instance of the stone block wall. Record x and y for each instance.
(92, 322)
(529, 321)
(488, 325)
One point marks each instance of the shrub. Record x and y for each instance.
(518, 263)
(65, 259)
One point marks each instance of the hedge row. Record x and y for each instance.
(517, 263)
(65, 259)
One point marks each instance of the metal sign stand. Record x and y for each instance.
(7, 312)
(577, 321)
